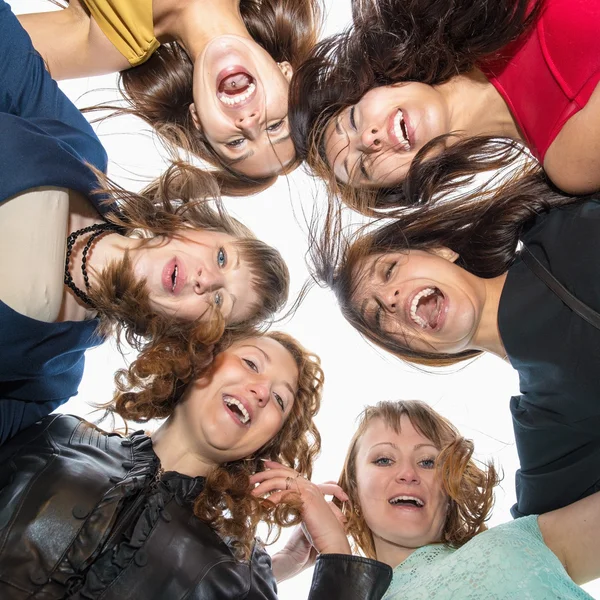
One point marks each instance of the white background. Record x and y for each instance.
(475, 397)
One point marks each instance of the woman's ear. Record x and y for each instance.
(286, 69)
(445, 253)
(194, 115)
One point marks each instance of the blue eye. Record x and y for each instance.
(251, 364)
(221, 258)
(383, 461)
(279, 400)
(427, 463)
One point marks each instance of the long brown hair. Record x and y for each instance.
(482, 226)
(225, 502)
(159, 91)
(469, 488)
(394, 41)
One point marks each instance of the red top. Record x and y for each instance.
(549, 74)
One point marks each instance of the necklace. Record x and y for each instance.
(97, 230)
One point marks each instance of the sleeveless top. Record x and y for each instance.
(549, 73)
(508, 562)
(129, 26)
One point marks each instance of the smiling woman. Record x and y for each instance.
(419, 502)
(216, 87)
(174, 514)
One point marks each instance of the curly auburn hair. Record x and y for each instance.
(393, 41)
(468, 487)
(159, 91)
(226, 503)
(483, 227)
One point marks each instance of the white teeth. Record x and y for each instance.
(415, 303)
(233, 100)
(399, 499)
(245, 418)
(399, 133)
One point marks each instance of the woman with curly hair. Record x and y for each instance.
(210, 76)
(429, 86)
(444, 283)
(91, 514)
(76, 263)
(418, 502)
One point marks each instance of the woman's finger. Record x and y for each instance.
(273, 473)
(285, 484)
(333, 489)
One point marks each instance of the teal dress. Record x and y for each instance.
(508, 562)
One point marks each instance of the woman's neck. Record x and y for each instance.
(194, 23)
(174, 449)
(487, 337)
(390, 553)
(477, 108)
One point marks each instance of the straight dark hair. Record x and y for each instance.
(392, 41)
(482, 226)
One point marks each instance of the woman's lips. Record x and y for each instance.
(173, 277)
(412, 305)
(227, 79)
(395, 131)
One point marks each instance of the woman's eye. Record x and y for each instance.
(352, 121)
(383, 461)
(279, 400)
(275, 126)
(390, 270)
(218, 299)
(427, 463)
(235, 143)
(251, 364)
(221, 258)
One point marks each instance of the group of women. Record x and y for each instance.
(399, 115)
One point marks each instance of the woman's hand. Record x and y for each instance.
(323, 526)
(298, 554)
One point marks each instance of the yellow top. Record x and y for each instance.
(129, 26)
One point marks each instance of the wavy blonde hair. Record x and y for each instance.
(468, 487)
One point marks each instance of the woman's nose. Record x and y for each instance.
(371, 140)
(261, 391)
(248, 122)
(391, 298)
(208, 280)
(407, 473)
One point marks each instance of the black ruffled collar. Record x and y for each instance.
(147, 463)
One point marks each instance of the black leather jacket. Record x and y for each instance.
(84, 514)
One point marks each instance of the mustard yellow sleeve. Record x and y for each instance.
(129, 26)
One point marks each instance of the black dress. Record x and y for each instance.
(556, 417)
(87, 515)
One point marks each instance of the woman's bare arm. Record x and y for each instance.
(573, 534)
(573, 159)
(71, 43)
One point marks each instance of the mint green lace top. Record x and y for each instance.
(508, 562)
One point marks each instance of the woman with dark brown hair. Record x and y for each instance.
(441, 284)
(210, 76)
(90, 514)
(76, 264)
(418, 501)
(430, 86)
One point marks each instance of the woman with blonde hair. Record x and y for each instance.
(90, 514)
(78, 264)
(418, 501)
(210, 76)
